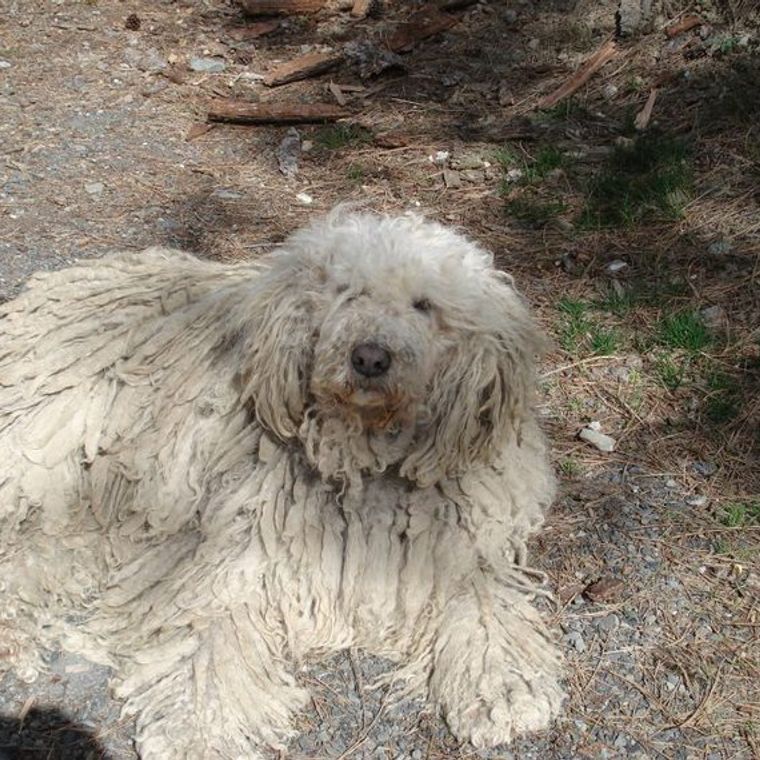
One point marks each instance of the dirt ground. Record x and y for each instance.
(638, 248)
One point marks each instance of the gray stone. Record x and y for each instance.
(609, 623)
(713, 316)
(615, 266)
(633, 16)
(697, 500)
(599, 440)
(5, 64)
(208, 65)
(719, 247)
(94, 188)
(575, 640)
(473, 175)
(289, 153)
(467, 161)
(706, 469)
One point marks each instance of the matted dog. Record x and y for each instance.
(211, 472)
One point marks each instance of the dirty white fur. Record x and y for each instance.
(197, 488)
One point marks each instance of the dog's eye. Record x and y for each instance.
(422, 304)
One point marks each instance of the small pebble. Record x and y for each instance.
(208, 65)
(5, 65)
(305, 199)
(609, 91)
(616, 266)
(609, 623)
(719, 247)
(697, 500)
(575, 640)
(599, 440)
(94, 188)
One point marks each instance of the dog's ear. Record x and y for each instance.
(482, 391)
(277, 352)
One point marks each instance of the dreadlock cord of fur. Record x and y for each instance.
(202, 486)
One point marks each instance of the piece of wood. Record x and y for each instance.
(303, 67)
(685, 24)
(420, 26)
(361, 8)
(198, 129)
(253, 31)
(337, 93)
(605, 54)
(455, 5)
(241, 112)
(281, 7)
(641, 122)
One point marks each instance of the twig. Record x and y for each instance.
(605, 53)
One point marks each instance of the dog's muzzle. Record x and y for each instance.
(370, 360)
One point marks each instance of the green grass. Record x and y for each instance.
(684, 330)
(741, 514)
(575, 323)
(652, 292)
(579, 333)
(723, 399)
(547, 159)
(604, 342)
(650, 180)
(337, 136)
(355, 173)
(670, 372)
(506, 157)
(533, 211)
(570, 468)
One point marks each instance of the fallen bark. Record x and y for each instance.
(641, 122)
(309, 65)
(280, 7)
(238, 112)
(361, 8)
(687, 23)
(605, 53)
(420, 26)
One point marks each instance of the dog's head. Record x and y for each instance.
(386, 340)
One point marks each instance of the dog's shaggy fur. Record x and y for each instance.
(200, 489)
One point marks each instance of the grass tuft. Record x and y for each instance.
(337, 136)
(684, 330)
(741, 514)
(651, 179)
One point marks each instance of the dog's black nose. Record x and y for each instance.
(370, 360)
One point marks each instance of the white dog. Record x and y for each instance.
(210, 472)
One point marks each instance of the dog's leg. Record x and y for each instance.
(495, 671)
(219, 692)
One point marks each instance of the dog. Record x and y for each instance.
(212, 472)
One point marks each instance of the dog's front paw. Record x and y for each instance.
(515, 707)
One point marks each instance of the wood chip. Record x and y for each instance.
(455, 5)
(605, 54)
(241, 112)
(361, 8)
(281, 7)
(303, 67)
(253, 31)
(568, 593)
(337, 93)
(685, 24)
(198, 129)
(420, 26)
(392, 140)
(641, 122)
(604, 590)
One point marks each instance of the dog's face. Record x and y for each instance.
(391, 341)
